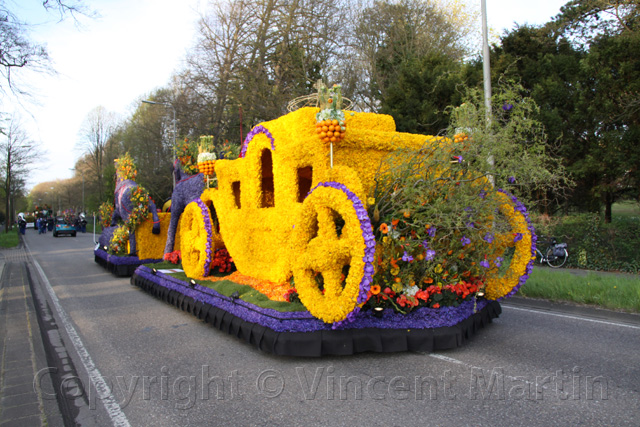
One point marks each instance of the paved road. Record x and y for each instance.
(164, 367)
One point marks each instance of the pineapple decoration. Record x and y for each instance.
(460, 137)
(330, 124)
(206, 156)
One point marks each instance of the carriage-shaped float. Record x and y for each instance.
(293, 209)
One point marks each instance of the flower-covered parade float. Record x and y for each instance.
(333, 233)
(131, 225)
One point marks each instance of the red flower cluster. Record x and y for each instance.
(222, 261)
(173, 257)
(463, 288)
(291, 295)
(432, 296)
(425, 294)
(409, 302)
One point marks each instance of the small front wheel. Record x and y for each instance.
(556, 260)
(196, 239)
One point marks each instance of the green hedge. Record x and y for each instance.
(594, 245)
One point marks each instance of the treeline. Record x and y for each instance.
(411, 59)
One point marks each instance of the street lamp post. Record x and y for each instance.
(486, 64)
(175, 134)
(486, 76)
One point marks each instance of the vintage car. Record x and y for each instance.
(64, 227)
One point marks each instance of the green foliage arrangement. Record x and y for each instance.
(105, 211)
(509, 144)
(187, 154)
(441, 204)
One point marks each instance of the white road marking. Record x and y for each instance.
(566, 316)
(472, 367)
(114, 411)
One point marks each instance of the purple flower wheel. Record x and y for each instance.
(335, 249)
(196, 239)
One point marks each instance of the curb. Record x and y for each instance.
(590, 312)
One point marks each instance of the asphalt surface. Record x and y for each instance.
(138, 361)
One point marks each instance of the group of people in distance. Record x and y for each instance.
(45, 223)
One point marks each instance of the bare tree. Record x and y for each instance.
(95, 134)
(218, 56)
(18, 51)
(256, 55)
(17, 153)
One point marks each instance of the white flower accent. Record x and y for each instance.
(411, 291)
(203, 157)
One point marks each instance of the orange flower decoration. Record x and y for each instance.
(384, 228)
(428, 280)
(375, 289)
(395, 222)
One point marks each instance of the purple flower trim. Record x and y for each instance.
(256, 130)
(519, 207)
(207, 226)
(303, 321)
(123, 260)
(370, 246)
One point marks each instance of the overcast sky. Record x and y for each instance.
(132, 49)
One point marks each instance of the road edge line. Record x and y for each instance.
(114, 411)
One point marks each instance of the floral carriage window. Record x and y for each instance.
(235, 187)
(305, 178)
(267, 199)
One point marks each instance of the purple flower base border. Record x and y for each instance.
(121, 266)
(300, 334)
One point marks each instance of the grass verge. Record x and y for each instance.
(9, 240)
(607, 291)
(227, 288)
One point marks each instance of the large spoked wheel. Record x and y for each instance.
(517, 250)
(556, 260)
(333, 269)
(196, 239)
